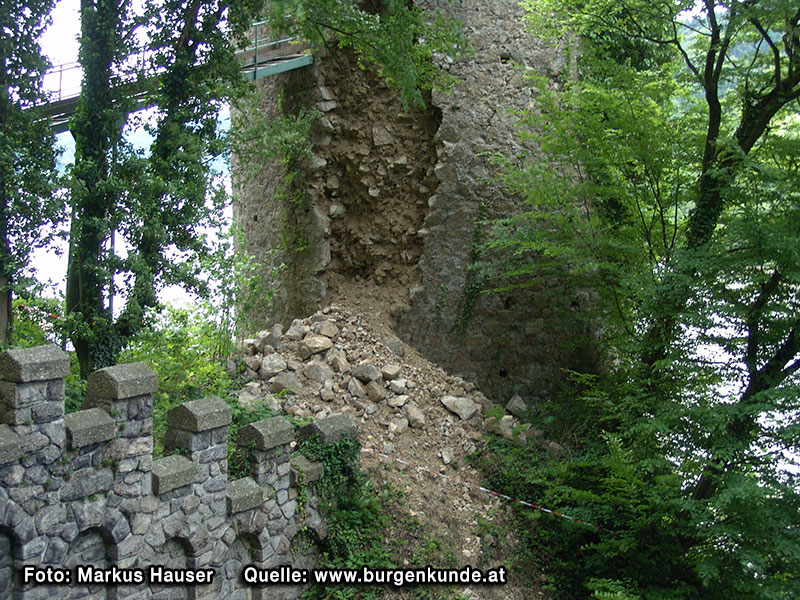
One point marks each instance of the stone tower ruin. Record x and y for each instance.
(398, 200)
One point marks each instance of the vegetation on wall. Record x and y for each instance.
(355, 514)
(475, 282)
(396, 36)
(667, 182)
(286, 138)
(364, 529)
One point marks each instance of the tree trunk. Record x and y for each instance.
(6, 313)
(96, 128)
(6, 273)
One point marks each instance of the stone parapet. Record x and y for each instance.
(82, 489)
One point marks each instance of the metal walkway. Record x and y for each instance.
(263, 58)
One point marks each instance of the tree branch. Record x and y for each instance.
(791, 369)
(776, 55)
(684, 54)
(772, 371)
(767, 289)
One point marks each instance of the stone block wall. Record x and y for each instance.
(81, 491)
(519, 341)
(365, 189)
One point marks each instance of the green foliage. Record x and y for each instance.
(159, 202)
(603, 487)
(238, 457)
(662, 181)
(182, 348)
(611, 589)
(609, 193)
(36, 321)
(659, 543)
(355, 514)
(286, 138)
(475, 280)
(397, 37)
(74, 386)
(439, 306)
(96, 127)
(187, 349)
(239, 284)
(39, 320)
(29, 206)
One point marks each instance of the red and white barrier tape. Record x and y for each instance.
(486, 490)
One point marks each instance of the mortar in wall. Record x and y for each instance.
(82, 489)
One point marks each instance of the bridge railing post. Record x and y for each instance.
(255, 45)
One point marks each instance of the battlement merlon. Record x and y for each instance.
(32, 386)
(198, 425)
(124, 391)
(200, 429)
(269, 444)
(41, 363)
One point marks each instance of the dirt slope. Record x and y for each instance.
(346, 359)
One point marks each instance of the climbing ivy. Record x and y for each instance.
(354, 513)
(158, 202)
(29, 206)
(475, 281)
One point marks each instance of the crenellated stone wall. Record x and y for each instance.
(82, 489)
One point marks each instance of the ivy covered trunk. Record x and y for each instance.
(96, 128)
(27, 155)
(6, 314)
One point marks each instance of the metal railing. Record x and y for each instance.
(265, 57)
(59, 92)
(63, 81)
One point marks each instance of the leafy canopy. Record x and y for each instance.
(28, 205)
(666, 181)
(397, 37)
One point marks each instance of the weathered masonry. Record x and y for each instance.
(83, 489)
(396, 200)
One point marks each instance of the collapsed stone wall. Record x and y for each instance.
(82, 488)
(365, 190)
(398, 199)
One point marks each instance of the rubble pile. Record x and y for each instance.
(334, 362)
